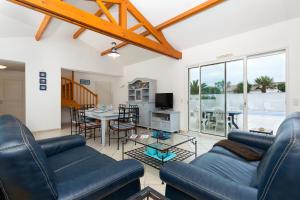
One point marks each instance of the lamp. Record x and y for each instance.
(114, 53)
(2, 67)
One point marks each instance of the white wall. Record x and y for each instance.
(94, 79)
(97, 78)
(172, 74)
(43, 108)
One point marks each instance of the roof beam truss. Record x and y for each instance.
(99, 13)
(43, 26)
(201, 7)
(71, 14)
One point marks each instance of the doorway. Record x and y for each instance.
(242, 94)
(12, 89)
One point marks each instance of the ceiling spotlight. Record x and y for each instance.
(2, 67)
(114, 53)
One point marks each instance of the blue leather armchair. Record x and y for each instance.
(60, 168)
(222, 175)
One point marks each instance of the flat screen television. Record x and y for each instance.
(164, 100)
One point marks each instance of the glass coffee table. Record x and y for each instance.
(156, 152)
(148, 193)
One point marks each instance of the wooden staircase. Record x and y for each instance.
(74, 95)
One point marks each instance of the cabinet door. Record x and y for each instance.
(138, 95)
(144, 115)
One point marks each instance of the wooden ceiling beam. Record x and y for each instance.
(42, 28)
(70, 13)
(106, 12)
(135, 27)
(113, 1)
(123, 15)
(99, 13)
(183, 16)
(187, 14)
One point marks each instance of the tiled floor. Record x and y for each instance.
(151, 177)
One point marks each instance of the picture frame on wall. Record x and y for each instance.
(43, 87)
(85, 82)
(43, 81)
(43, 75)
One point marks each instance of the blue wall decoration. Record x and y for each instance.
(85, 82)
(43, 81)
(43, 75)
(43, 87)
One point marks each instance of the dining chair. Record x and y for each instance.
(122, 105)
(126, 122)
(134, 110)
(220, 120)
(204, 120)
(75, 120)
(87, 126)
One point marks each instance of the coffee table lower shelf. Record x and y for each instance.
(138, 154)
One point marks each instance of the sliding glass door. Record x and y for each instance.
(213, 118)
(194, 99)
(235, 97)
(241, 94)
(266, 101)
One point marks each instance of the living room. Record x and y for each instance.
(134, 92)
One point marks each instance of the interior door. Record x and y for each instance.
(12, 97)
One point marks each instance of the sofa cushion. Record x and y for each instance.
(226, 167)
(21, 161)
(84, 173)
(79, 161)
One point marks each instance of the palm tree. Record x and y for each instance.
(281, 87)
(194, 87)
(240, 88)
(264, 83)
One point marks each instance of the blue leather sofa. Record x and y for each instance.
(61, 168)
(221, 175)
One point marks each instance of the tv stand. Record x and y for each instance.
(165, 120)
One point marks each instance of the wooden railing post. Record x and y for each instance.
(74, 93)
(72, 90)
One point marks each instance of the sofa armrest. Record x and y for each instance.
(201, 184)
(57, 145)
(99, 184)
(256, 140)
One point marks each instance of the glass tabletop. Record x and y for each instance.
(171, 140)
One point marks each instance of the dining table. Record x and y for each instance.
(104, 116)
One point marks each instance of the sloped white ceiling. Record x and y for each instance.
(229, 18)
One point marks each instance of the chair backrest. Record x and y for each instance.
(278, 174)
(122, 106)
(219, 114)
(135, 112)
(128, 115)
(75, 115)
(24, 171)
